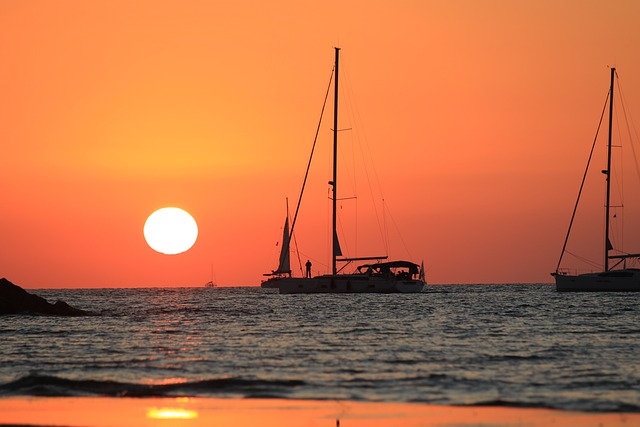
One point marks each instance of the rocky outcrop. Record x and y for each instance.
(15, 300)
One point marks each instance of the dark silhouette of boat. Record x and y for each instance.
(376, 277)
(612, 278)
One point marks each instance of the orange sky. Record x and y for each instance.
(478, 114)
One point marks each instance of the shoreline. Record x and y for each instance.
(241, 412)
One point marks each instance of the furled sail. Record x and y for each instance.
(285, 260)
(337, 251)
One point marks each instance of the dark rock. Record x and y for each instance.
(15, 300)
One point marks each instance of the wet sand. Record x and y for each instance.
(194, 412)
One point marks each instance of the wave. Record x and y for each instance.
(52, 386)
(586, 405)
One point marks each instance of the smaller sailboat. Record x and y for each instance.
(612, 278)
(211, 283)
(377, 277)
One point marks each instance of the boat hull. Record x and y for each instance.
(343, 284)
(612, 281)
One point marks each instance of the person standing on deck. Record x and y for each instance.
(308, 272)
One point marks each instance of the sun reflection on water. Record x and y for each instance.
(171, 414)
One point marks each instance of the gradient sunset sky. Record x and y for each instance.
(478, 115)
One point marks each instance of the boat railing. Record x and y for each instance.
(567, 272)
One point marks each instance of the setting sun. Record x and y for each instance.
(170, 231)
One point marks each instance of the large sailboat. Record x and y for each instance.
(375, 276)
(616, 276)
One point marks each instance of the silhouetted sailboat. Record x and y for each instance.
(377, 277)
(211, 283)
(612, 279)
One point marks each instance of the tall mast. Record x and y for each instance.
(608, 175)
(334, 237)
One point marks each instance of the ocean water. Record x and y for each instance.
(511, 345)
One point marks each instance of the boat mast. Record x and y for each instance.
(334, 182)
(607, 245)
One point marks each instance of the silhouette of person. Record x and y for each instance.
(308, 265)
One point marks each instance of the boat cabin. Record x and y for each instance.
(401, 270)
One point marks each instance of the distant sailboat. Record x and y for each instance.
(211, 283)
(376, 277)
(610, 279)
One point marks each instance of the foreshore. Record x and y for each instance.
(195, 412)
